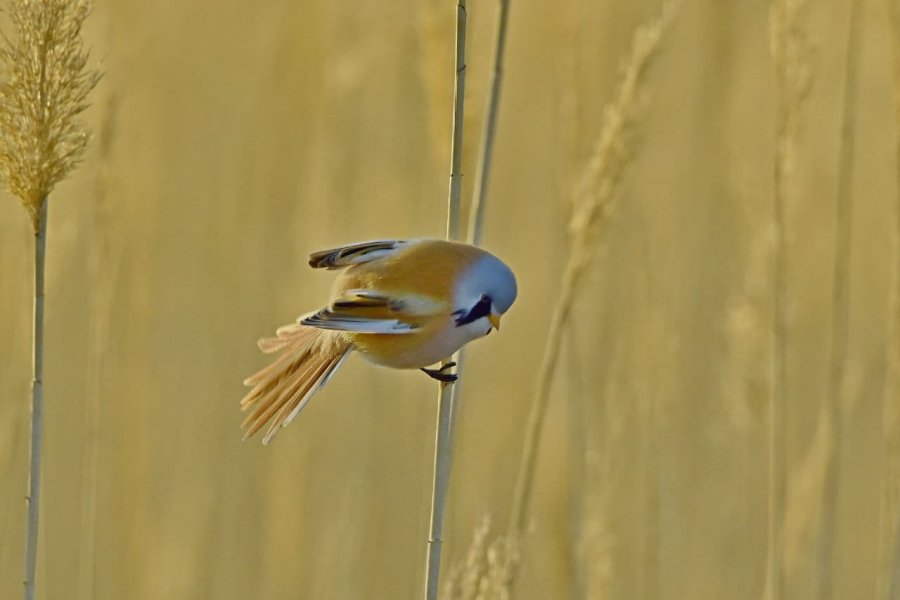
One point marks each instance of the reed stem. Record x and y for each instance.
(33, 500)
(443, 436)
(482, 173)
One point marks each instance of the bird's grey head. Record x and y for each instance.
(488, 287)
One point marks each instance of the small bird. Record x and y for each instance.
(405, 304)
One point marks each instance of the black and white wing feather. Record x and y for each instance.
(368, 311)
(338, 258)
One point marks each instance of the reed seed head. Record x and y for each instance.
(44, 90)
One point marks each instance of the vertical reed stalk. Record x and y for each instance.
(44, 90)
(789, 50)
(840, 309)
(443, 442)
(483, 168)
(468, 580)
(37, 404)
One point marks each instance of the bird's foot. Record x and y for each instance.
(440, 375)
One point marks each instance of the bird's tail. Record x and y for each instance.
(309, 357)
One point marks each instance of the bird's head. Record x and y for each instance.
(484, 292)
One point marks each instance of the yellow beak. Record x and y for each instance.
(495, 321)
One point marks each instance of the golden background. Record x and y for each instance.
(231, 139)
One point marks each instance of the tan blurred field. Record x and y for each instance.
(233, 138)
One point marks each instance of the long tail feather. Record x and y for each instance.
(309, 357)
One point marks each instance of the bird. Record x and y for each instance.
(404, 304)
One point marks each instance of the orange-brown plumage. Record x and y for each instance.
(400, 304)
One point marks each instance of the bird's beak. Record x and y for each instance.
(495, 320)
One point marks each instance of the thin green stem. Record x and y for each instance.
(33, 499)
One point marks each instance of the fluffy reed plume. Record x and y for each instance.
(45, 88)
(443, 434)
(790, 53)
(485, 571)
(44, 91)
(596, 196)
(889, 571)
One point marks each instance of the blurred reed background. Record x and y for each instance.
(232, 139)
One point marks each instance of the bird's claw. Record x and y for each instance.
(440, 375)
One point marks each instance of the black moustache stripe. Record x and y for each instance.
(482, 309)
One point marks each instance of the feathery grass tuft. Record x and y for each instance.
(485, 571)
(44, 91)
(596, 196)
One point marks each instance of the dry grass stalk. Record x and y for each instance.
(596, 197)
(443, 437)
(44, 91)
(840, 311)
(889, 571)
(790, 52)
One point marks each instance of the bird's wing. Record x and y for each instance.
(370, 311)
(354, 254)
